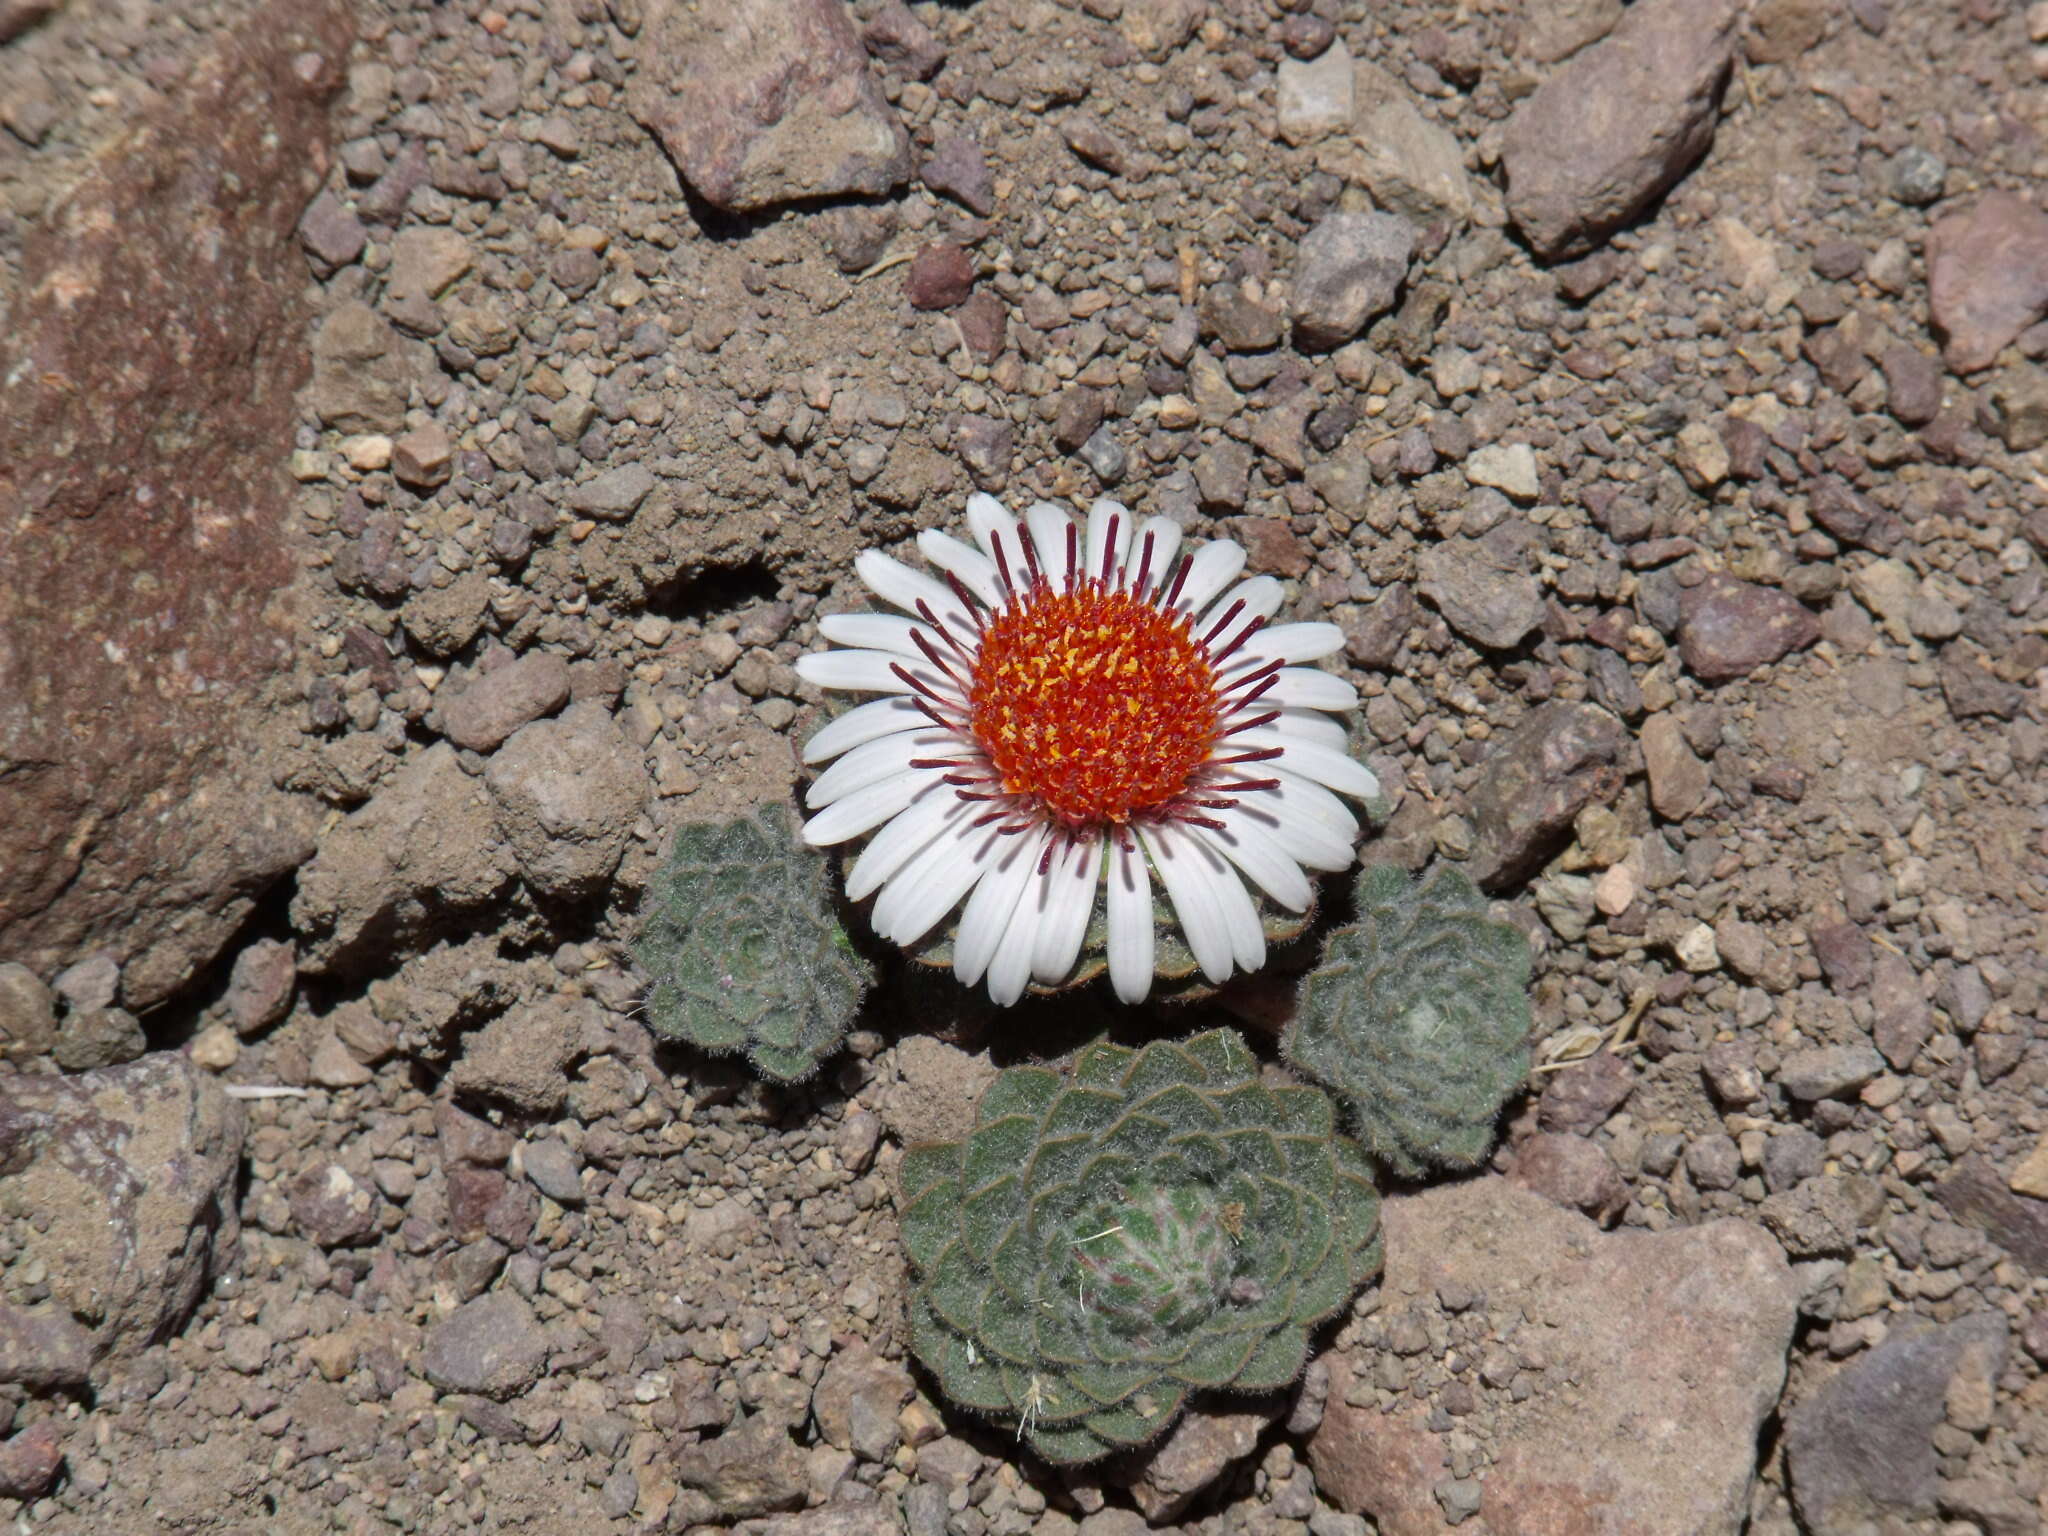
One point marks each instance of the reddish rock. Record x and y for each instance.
(857, 1399)
(941, 276)
(1579, 1098)
(1729, 628)
(1678, 779)
(466, 1139)
(131, 1171)
(1201, 1448)
(1632, 1406)
(1853, 517)
(495, 705)
(332, 235)
(472, 1192)
(1987, 277)
(761, 102)
(144, 541)
(423, 458)
(1844, 952)
(958, 168)
(1080, 412)
(1574, 1172)
(1602, 137)
(1904, 1022)
(984, 326)
(899, 40)
(29, 1461)
(1563, 757)
(1912, 384)
(1370, 1463)
(260, 987)
(17, 16)
(333, 1207)
(1272, 546)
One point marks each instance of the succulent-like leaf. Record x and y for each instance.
(743, 951)
(1169, 1224)
(1418, 1020)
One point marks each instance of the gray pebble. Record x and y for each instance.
(555, 1171)
(1713, 1162)
(1917, 176)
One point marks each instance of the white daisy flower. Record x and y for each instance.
(1071, 708)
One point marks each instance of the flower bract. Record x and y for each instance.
(1072, 710)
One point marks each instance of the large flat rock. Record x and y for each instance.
(150, 354)
(1614, 1383)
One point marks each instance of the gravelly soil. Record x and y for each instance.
(587, 417)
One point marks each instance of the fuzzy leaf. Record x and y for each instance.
(742, 949)
(1418, 1019)
(1020, 1091)
(1156, 1222)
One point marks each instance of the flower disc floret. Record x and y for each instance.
(1071, 713)
(1093, 703)
(1102, 1244)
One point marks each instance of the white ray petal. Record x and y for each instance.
(1049, 526)
(1289, 644)
(976, 571)
(1164, 533)
(1071, 884)
(1010, 970)
(1131, 939)
(932, 883)
(1338, 770)
(906, 836)
(869, 672)
(994, 902)
(1211, 568)
(1305, 799)
(868, 808)
(1252, 849)
(1260, 597)
(896, 583)
(862, 724)
(1310, 726)
(1310, 688)
(989, 520)
(1312, 825)
(873, 632)
(1182, 863)
(1240, 912)
(1099, 518)
(878, 760)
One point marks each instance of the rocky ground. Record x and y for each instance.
(433, 430)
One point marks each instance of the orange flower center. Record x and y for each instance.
(1095, 703)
